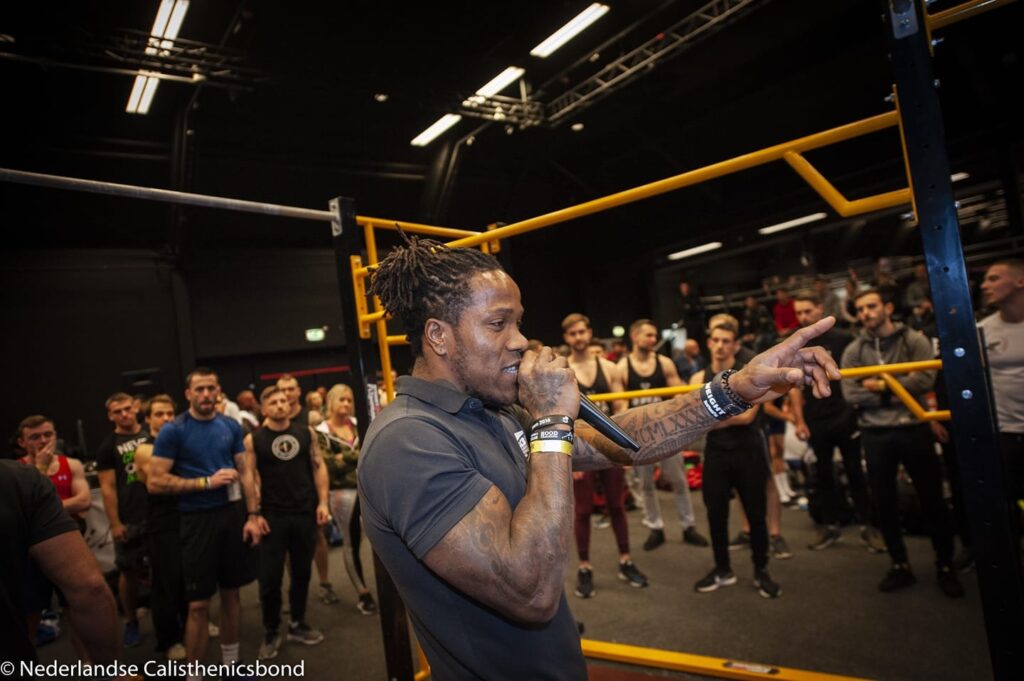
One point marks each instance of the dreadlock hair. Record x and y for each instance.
(425, 279)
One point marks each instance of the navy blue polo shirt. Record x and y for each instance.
(427, 460)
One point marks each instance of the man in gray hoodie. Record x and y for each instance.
(892, 435)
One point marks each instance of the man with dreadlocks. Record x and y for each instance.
(468, 505)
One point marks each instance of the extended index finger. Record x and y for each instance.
(801, 337)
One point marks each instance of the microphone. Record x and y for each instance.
(592, 415)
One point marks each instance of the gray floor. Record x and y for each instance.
(831, 617)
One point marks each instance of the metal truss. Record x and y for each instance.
(700, 24)
(130, 51)
(522, 113)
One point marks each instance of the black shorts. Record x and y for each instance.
(131, 553)
(212, 551)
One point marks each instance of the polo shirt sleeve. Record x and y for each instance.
(167, 440)
(420, 481)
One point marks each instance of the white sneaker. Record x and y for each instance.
(213, 630)
(176, 652)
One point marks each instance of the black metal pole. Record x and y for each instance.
(362, 356)
(988, 508)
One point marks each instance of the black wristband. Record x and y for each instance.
(552, 420)
(719, 400)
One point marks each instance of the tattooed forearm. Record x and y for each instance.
(168, 483)
(661, 429)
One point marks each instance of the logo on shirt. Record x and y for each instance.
(285, 447)
(521, 439)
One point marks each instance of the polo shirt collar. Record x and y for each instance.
(441, 394)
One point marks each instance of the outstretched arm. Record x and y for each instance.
(664, 428)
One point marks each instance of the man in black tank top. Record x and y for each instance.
(735, 457)
(645, 369)
(597, 375)
(293, 500)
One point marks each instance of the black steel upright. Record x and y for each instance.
(363, 361)
(981, 470)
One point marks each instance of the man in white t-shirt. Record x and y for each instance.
(1003, 289)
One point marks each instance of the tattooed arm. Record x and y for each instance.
(162, 481)
(664, 428)
(513, 559)
(316, 459)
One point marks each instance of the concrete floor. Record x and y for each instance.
(831, 617)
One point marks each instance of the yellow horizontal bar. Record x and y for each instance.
(913, 405)
(834, 197)
(398, 340)
(699, 664)
(900, 368)
(965, 11)
(692, 177)
(371, 317)
(653, 392)
(362, 272)
(413, 227)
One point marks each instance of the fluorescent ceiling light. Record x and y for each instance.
(439, 126)
(792, 223)
(166, 26)
(570, 30)
(501, 81)
(956, 177)
(679, 255)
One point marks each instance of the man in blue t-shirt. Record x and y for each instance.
(200, 456)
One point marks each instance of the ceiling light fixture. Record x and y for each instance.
(501, 81)
(169, 18)
(435, 130)
(696, 250)
(788, 224)
(575, 26)
(381, 97)
(576, 127)
(490, 88)
(956, 177)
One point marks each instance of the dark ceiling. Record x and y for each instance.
(300, 123)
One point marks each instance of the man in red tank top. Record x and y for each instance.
(38, 437)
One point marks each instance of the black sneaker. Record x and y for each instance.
(779, 548)
(694, 538)
(714, 580)
(898, 577)
(366, 604)
(584, 583)
(740, 541)
(300, 632)
(872, 539)
(629, 573)
(949, 583)
(964, 561)
(655, 539)
(827, 536)
(765, 585)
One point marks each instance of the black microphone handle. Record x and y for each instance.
(597, 419)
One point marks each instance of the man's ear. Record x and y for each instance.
(437, 334)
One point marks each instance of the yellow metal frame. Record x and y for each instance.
(883, 371)
(699, 664)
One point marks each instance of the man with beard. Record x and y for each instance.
(645, 369)
(597, 375)
(892, 435)
(465, 479)
(124, 500)
(1003, 289)
(200, 456)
